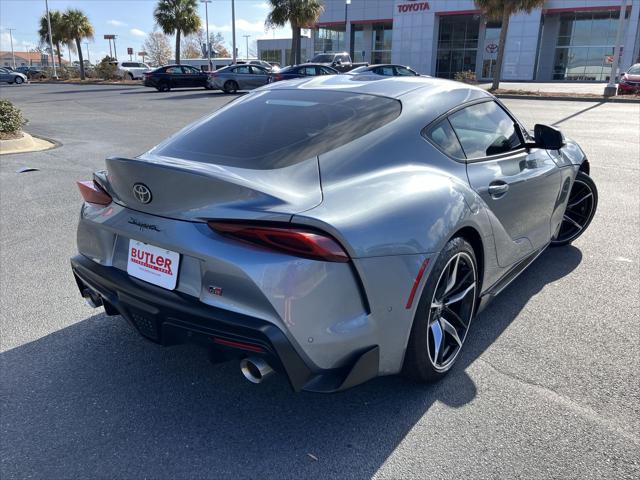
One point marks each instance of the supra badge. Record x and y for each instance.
(142, 193)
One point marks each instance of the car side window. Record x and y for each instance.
(257, 70)
(445, 138)
(175, 70)
(310, 71)
(243, 70)
(484, 130)
(405, 72)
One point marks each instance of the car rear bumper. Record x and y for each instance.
(170, 318)
(627, 88)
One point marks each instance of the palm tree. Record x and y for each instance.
(300, 14)
(57, 32)
(179, 16)
(77, 27)
(502, 10)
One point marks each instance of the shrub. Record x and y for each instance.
(467, 76)
(106, 69)
(11, 120)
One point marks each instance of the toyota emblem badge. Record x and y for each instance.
(142, 193)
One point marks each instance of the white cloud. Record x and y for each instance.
(136, 32)
(116, 23)
(262, 5)
(241, 25)
(18, 45)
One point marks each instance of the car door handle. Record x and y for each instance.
(498, 189)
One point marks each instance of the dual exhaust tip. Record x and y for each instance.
(255, 369)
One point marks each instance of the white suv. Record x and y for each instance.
(132, 70)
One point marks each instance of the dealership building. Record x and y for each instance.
(563, 40)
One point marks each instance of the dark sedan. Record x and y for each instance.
(300, 71)
(386, 70)
(176, 76)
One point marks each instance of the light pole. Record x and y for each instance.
(346, 12)
(208, 43)
(13, 57)
(88, 56)
(246, 37)
(233, 30)
(610, 90)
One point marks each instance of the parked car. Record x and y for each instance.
(331, 229)
(266, 65)
(386, 70)
(12, 76)
(630, 81)
(239, 77)
(32, 72)
(132, 70)
(176, 76)
(304, 70)
(340, 61)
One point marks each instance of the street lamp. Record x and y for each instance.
(11, 40)
(88, 55)
(246, 37)
(346, 12)
(53, 59)
(208, 43)
(610, 90)
(233, 29)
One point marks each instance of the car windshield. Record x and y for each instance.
(634, 70)
(278, 128)
(326, 58)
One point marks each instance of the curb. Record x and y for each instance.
(26, 143)
(513, 96)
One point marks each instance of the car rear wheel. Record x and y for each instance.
(18, 80)
(444, 313)
(130, 76)
(581, 207)
(230, 86)
(164, 87)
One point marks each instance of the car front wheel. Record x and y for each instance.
(581, 208)
(444, 313)
(18, 80)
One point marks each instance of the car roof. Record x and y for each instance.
(392, 87)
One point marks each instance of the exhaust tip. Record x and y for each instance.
(92, 299)
(255, 369)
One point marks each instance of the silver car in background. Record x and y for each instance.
(239, 77)
(11, 76)
(332, 229)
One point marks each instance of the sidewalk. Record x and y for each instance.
(576, 88)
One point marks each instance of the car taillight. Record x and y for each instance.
(92, 193)
(293, 240)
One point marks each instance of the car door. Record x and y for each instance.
(259, 75)
(242, 75)
(195, 77)
(519, 186)
(5, 76)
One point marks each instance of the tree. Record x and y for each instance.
(300, 14)
(157, 47)
(57, 32)
(199, 40)
(179, 16)
(502, 10)
(77, 27)
(191, 47)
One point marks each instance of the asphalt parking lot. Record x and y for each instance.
(547, 386)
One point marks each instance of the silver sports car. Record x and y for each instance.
(332, 229)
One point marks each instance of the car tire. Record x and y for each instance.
(444, 313)
(230, 86)
(130, 76)
(164, 87)
(580, 210)
(18, 80)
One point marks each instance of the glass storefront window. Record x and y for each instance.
(585, 45)
(457, 45)
(329, 40)
(357, 43)
(381, 44)
(271, 55)
(303, 55)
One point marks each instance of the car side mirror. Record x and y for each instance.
(338, 62)
(548, 137)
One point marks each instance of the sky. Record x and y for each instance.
(131, 21)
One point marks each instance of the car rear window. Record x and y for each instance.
(279, 128)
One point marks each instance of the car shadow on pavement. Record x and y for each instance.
(93, 90)
(200, 94)
(95, 399)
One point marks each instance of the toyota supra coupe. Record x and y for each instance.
(332, 229)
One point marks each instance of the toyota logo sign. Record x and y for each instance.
(142, 193)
